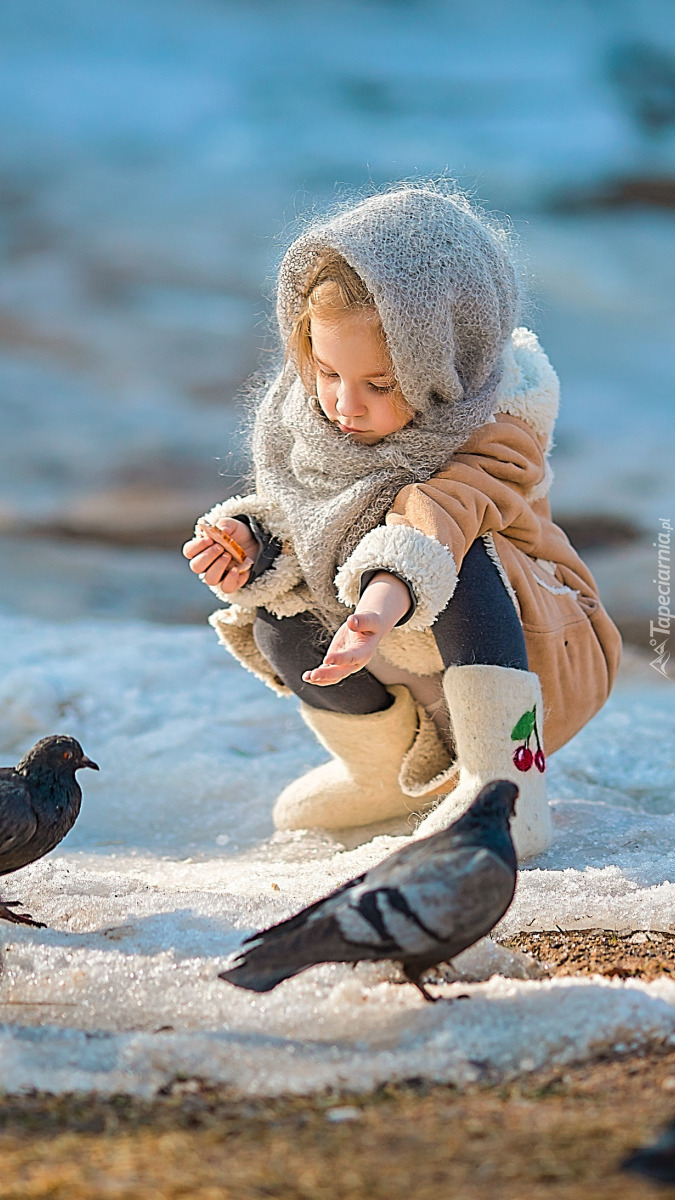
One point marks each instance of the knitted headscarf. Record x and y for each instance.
(448, 300)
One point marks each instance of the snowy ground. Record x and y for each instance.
(154, 154)
(174, 859)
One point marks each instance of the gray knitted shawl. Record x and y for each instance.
(447, 296)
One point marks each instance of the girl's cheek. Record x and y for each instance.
(326, 393)
(399, 415)
(325, 401)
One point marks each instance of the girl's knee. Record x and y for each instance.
(266, 631)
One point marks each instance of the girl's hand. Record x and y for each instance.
(383, 603)
(350, 650)
(214, 563)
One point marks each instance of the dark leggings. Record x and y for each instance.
(478, 625)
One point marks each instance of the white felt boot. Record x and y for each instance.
(496, 715)
(360, 786)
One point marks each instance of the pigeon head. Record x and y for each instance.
(495, 803)
(55, 755)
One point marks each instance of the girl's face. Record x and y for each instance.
(355, 380)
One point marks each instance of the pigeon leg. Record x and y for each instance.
(6, 914)
(414, 977)
(427, 995)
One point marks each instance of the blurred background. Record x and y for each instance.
(154, 155)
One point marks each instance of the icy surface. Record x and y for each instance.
(174, 860)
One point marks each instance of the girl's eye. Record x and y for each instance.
(327, 374)
(387, 387)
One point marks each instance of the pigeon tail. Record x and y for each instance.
(258, 977)
(286, 949)
(269, 962)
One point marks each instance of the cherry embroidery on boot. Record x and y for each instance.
(522, 732)
(523, 758)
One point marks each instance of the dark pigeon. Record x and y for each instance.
(655, 1162)
(39, 802)
(421, 906)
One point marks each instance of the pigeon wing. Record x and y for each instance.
(18, 822)
(432, 902)
(465, 901)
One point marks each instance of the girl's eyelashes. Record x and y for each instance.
(375, 387)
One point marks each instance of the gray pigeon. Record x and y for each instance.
(39, 802)
(421, 906)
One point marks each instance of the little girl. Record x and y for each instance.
(408, 583)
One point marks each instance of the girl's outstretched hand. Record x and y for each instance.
(351, 649)
(383, 603)
(214, 563)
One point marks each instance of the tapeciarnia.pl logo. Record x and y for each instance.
(659, 630)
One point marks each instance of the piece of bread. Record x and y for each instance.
(223, 539)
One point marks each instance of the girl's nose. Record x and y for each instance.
(348, 403)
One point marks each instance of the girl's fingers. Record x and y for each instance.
(342, 658)
(196, 545)
(234, 579)
(365, 623)
(333, 672)
(324, 676)
(213, 563)
(206, 558)
(360, 650)
(217, 572)
(239, 532)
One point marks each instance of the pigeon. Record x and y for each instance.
(420, 906)
(657, 1161)
(39, 802)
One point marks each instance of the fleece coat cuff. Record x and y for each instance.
(425, 564)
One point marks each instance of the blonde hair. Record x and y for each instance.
(333, 290)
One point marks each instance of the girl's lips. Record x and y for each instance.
(348, 428)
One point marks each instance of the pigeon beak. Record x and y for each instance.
(87, 762)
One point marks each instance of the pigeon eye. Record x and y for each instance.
(67, 754)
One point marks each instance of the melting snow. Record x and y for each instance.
(174, 860)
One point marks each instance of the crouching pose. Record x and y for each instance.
(408, 584)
